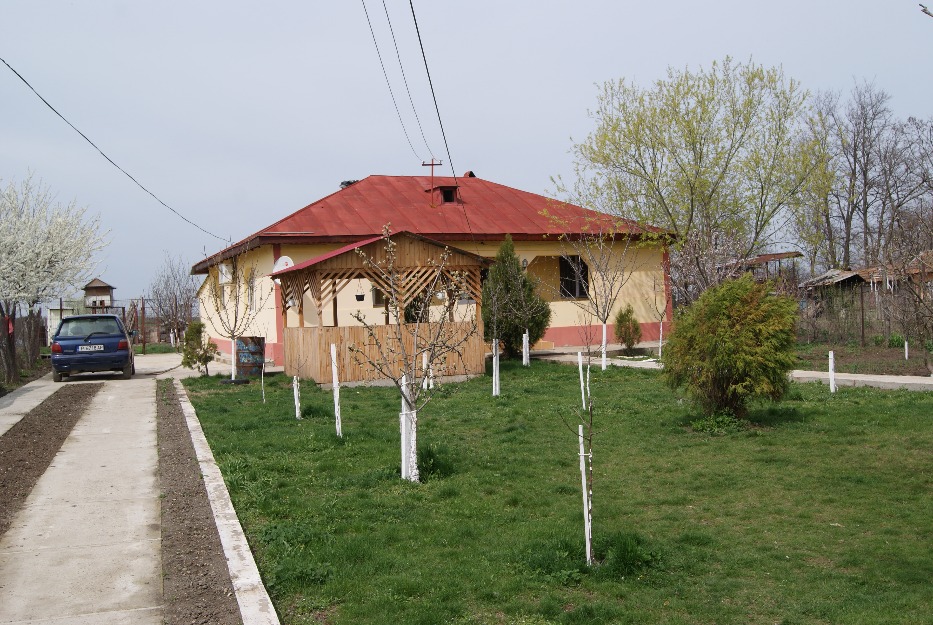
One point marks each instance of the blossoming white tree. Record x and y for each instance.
(46, 248)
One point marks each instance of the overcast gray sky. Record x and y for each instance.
(238, 113)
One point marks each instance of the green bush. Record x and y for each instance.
(198, 351)
(510, 303)
(735, 343)
(627, 328)
(895, 340)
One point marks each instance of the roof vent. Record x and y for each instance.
(347, 183)
(469, 174)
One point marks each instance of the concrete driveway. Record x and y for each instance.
(85, 548)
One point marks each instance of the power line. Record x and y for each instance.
(388, 84)
(110, 160)
(439, 120)
(405, 80)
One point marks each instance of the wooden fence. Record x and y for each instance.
(307, 351)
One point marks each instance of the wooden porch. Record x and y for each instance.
(418, 265)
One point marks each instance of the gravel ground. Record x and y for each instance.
(196, 583)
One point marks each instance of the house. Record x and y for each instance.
(467, 213)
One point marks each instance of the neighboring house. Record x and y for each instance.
(467, 213)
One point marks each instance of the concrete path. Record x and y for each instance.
(85, 548)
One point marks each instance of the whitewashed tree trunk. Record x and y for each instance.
(233, 358)
(408, 420)
(526, 349)
(905, 349)
(603, 347)
(403, 429)
(582, 387)
(336, 387)
(661, 340)
(262, 379)
(296, 391)
(587, 509)
(832, 373)
(495, 367)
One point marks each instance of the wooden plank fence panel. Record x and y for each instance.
(307, 352)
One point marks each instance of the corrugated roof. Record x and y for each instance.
(831, 277)
(484, 211)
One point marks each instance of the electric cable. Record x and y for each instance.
(405, 80)
(110, 160)
(388, 84)
(439, 120)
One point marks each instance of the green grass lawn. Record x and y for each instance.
(820, 512)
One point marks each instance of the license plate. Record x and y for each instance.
(90, 348)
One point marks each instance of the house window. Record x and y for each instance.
(251, 291)
(449, 194)
(574, 277)
(380, 299)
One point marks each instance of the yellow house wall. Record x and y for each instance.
(644, 289)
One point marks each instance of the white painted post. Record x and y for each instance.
(336, 385)
(262, 380)
(296, 391)
(582, 387)
(424, 370)
(587, 521)
(604, 347)
(403, 427)
(526, 350)
(905, 349)
(832, 373)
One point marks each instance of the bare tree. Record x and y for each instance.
(235, 298)
(420, 324)
(173, 295)
(595, 267)
(45, 248)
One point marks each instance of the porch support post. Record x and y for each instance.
(335, 303)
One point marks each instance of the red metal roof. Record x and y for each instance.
(484, 211)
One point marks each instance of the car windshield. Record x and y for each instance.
(86, 326)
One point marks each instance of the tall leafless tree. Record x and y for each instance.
(173, 295)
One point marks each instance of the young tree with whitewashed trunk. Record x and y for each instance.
(235, 300)
(420, 323)
(600, 265)
(46, 248)
(583, 430)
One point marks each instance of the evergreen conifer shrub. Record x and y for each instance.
(735, 343)
(511, 304)
(627, 328)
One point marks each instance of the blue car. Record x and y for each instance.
(92, 343)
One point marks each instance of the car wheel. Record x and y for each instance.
(56, 376)
(128, 371)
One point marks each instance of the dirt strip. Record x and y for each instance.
(196, 587)
(27, 449)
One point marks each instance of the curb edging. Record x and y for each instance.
(251, 595)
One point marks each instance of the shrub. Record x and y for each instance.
(197, 350)
(895, 340)
(735, 343)
(627, 328)
(510, 303)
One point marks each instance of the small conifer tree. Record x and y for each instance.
(511, 304)
(627, 328)
(197, 351)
